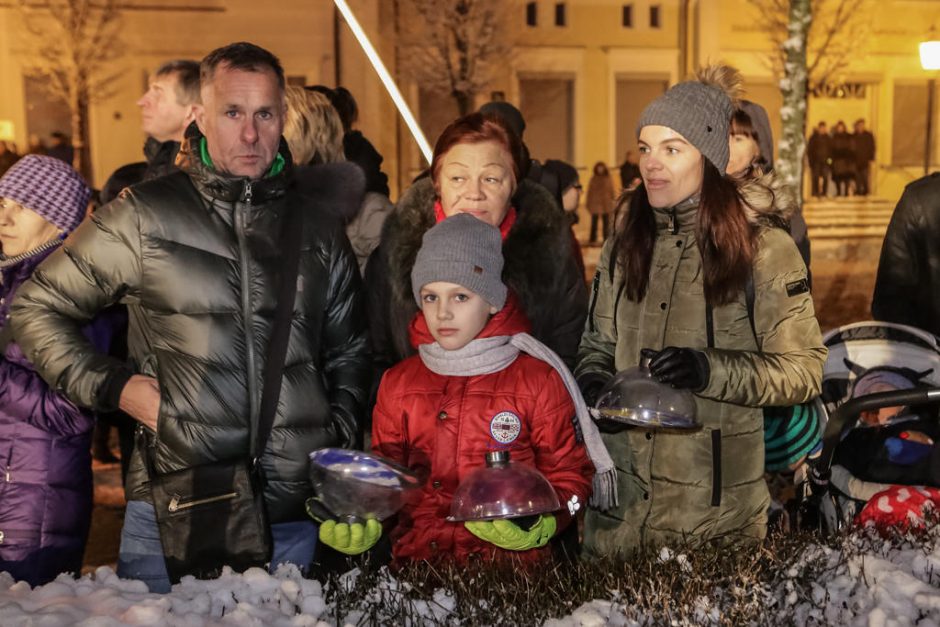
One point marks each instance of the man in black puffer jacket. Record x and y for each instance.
(195, 255)
(907, 289)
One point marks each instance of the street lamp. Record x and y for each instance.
(929, 60)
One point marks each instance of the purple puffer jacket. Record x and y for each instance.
(45, 463)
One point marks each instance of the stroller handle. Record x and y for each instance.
(846, 415)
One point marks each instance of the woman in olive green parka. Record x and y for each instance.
(738, 329)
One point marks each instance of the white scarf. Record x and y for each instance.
(492, 354)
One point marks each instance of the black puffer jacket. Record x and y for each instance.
(194, 256)
(907, 289)
(539, 267)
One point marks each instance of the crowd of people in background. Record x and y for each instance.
(251, 292)
(842, 157)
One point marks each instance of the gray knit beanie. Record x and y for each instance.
(464, 250)
(698, 111)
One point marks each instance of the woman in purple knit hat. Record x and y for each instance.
(45, 463)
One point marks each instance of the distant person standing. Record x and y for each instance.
(843, 159)
(819, 152)
(629, 171)
(8, 157)
(35, 145)
(600, 201)
(864, 148)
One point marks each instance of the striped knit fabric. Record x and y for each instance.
(790, 433)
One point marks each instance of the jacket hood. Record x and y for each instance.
(509, 320)
(225, 187)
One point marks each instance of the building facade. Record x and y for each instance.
(581, 71)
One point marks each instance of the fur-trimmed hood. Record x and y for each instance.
(536, 239)
(768, 201)
(539, 267)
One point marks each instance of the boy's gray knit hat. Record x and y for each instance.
(464, 250)
(698, 111)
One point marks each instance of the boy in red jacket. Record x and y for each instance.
(479, 383)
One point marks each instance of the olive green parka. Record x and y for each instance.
(707, 484)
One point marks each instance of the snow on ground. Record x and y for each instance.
(868, 581)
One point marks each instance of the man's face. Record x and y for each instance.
(242, 116)
(162, 116)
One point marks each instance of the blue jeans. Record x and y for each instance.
(141, 554)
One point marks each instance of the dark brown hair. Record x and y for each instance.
(477, 128)
(726, 240)
(243, 56)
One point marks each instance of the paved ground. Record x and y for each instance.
(846, 236)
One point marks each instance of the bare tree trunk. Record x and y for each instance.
(464, 102)
(793, 89)
(80, 136)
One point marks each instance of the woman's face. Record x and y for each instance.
(477, 179)
(22, 229)
(671, 167)
(744, 152)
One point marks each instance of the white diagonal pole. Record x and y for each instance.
(386, 78)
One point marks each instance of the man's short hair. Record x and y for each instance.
(187, 79)
(241, 56)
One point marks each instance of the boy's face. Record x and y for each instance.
(454, 314)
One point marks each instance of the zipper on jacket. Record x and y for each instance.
(673, 222)
(178, 504)
(6, 472)
(242, 211)
(595, 287)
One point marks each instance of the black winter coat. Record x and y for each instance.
(161, 160)
(539, 267)
(907, 289)
(194, 256)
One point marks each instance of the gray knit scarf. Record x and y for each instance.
(492, 354)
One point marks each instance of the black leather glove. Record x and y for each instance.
(680, 367)
(591, 385)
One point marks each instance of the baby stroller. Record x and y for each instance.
(831, 495)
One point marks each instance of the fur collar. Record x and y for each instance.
(768, 201)
(535, 250)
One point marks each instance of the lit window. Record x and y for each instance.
(628, 16)
(654, 16)
(531, 14)
(560, 17)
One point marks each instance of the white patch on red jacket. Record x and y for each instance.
(505, 427)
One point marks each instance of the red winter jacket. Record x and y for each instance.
(440, 427)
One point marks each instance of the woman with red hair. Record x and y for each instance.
(477, 169)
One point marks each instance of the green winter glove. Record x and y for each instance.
(351, 539)
(508, 535)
